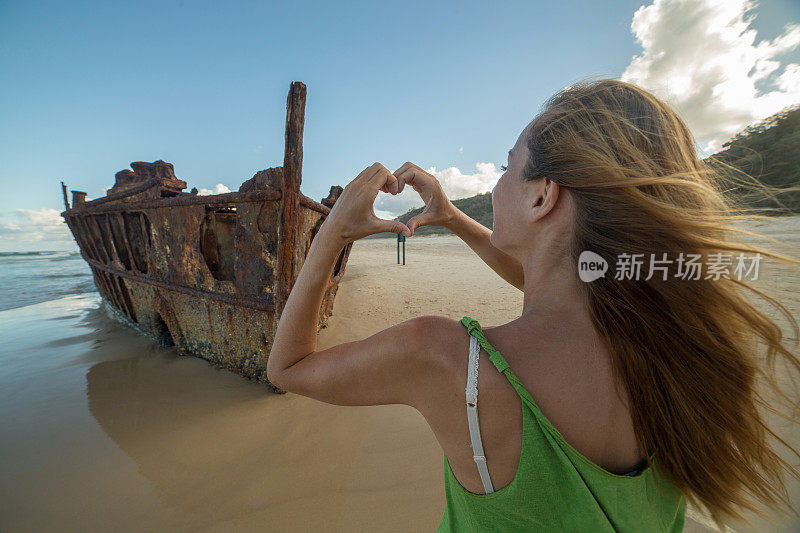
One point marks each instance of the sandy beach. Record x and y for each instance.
(101, 429)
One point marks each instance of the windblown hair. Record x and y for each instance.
(687, 352)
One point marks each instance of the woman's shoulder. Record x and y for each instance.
(444, 344)
(441, 337)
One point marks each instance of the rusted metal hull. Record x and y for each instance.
(207, 274)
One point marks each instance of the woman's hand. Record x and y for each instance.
(352, 217)
(439, 210)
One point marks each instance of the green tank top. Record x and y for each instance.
(556, 488)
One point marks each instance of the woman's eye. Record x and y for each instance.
(503, 168)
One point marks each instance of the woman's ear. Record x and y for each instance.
(545, 199)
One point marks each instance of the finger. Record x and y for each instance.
(383, 178)
(415, 178)
(410, 169)
(407, 175)
(391, 183)
(404, 167)
(395, 226)
(387, 189)
(367, 173)
(408, 165)
(419, 220)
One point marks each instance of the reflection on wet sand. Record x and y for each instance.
(215, 450)
(218, 448)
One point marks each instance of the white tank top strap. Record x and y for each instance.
(472, 414)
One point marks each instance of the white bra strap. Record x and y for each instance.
(472, 415)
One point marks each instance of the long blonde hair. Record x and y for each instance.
(686, 351)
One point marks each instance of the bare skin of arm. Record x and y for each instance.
(395, 365)
(440, 211)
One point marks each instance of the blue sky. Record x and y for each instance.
(87, 88)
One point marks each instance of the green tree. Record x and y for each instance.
(761, 164)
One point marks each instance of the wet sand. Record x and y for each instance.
(101, 429)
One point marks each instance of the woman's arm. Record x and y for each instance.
(394, 365)
(440, 211)
(476, 235)
(390, 367)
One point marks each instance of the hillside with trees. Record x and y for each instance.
(768, 151)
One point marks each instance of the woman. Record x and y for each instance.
(608, 404)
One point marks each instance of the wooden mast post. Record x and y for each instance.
(290, 201)
(64, 192)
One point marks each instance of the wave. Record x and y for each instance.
(71, 275)
(14, 301)
(12, 305)
(39, 252)
(21, 257)
(40, 276)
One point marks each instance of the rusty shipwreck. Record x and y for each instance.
(206, 274)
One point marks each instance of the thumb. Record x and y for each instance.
(395, 226)
(417, 221)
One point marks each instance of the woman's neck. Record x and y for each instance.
(552, 286)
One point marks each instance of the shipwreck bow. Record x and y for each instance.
(206, 274)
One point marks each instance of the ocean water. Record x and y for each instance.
(28, 278)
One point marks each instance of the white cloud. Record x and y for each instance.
(28, 229)
(703, 58)
(454, 182)
(218, 189)
(388, 215)
(459, 185)
(46, 219)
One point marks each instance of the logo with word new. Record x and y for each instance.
(591, 266)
